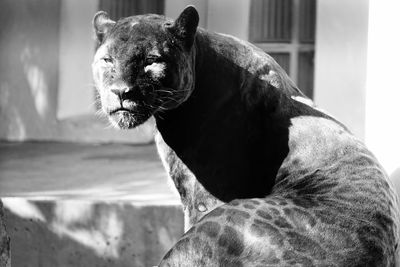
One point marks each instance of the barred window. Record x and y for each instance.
(286, 30)
(125, 8)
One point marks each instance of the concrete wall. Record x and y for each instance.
(29, 41)
(340, 60)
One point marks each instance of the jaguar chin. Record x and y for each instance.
(123, 119)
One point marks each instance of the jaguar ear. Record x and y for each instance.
(185, 26)
(102, 24)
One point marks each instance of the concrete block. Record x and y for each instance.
(5, 259)
(83, 233)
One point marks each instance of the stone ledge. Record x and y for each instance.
(108, 172)
(90, 128)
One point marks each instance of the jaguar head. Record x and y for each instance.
(143, 65)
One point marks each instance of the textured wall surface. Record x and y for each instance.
(76, 233)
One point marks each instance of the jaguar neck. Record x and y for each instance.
(217, 133)
(232, 132)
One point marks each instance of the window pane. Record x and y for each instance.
(271, 21)
(305, 74)
(307, 21)
(283, 59)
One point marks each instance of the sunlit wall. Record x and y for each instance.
(383, 86)
(340, 60)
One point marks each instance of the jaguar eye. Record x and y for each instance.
(107, 60)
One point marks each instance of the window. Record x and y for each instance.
(285, 29)
(125, 8)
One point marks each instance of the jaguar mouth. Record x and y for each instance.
(123, 118)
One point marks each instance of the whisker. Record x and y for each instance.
(100, 112)
(166, 97)
(158, 107)
(153, 107)
(169, 99)
(172, 91)
(109, 126)
(164, 91)
(160, 116)
(183, 90)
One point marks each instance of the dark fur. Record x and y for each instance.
(298, 187)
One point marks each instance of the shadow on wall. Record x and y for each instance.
(29, 41)
(85, 233)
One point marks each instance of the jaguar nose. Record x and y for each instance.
(122, 93)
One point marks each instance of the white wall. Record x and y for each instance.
(76, 95)
(340, 61)
(383, 85)
(356, 72)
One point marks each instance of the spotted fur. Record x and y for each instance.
(265, 178)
